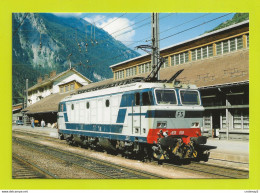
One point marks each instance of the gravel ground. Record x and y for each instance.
(166, 171)
(60, 168)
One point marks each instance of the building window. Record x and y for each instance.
(127, 72)
(199, 54)
(241, 119)
(219, 48)
(225, 47)
(239, 42)
(223, 121)
(247, 40)
(177, 59)
(186, 57)
(72, 87)
(166, 62)
(193, 55)
(119, 74)
(72, 106)
(237, 119)
(66, 88)
(210, 50)
(61, 89)
(246, 119)
(232, 44)
(181, 58)
(87, 105)
(207, 122)
(150, 66)
(205, 52)
(173, 60)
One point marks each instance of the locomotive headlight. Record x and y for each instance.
(161, 124)
(195, 124)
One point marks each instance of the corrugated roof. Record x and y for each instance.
(47, 104)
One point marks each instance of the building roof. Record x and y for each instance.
(185, 42)
(51, 79)
(47, 104)
(17, 107)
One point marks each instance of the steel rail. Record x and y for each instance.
(101, 165)
(34, 167)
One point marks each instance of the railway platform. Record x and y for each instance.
(228, 153)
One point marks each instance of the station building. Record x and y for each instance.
(56, 83)
(16, 112)
(218, 64)
(44, 97)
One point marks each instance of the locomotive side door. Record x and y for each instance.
(136, 115)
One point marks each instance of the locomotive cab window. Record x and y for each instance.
(190, 97)
(137, 98)
(146, 99)
(165, 96)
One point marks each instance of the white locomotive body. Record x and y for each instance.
(143, 117)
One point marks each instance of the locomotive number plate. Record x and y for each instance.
(180, 114)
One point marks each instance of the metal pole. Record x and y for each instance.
(227, 119)
(155, 41)
(26, 100)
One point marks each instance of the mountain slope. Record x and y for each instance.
(237, 18)
(43, 42)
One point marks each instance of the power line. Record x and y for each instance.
(138, 26)
(113, 21)
(131, 25)
(178, 32)
(148, 38)
(194, 27)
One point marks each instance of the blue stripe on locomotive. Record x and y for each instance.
(103, 135)
(112, 128)
(121, 116)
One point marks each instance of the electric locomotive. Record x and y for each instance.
(152, 119)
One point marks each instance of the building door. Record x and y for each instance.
(215, 123)
(137, 114)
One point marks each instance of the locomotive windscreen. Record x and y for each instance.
(166, 96)
(190, 97)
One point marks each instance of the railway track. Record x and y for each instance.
(213, 171)
(106, 169)
(24, 169)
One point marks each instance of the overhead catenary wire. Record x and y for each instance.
(177, 33)
(148, 23)
(112, 21)
(194, 27)
(148, 38)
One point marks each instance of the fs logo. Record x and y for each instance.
(180, 114)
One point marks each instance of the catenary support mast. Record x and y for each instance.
(155, 42)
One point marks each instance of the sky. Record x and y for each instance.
(134, 29)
